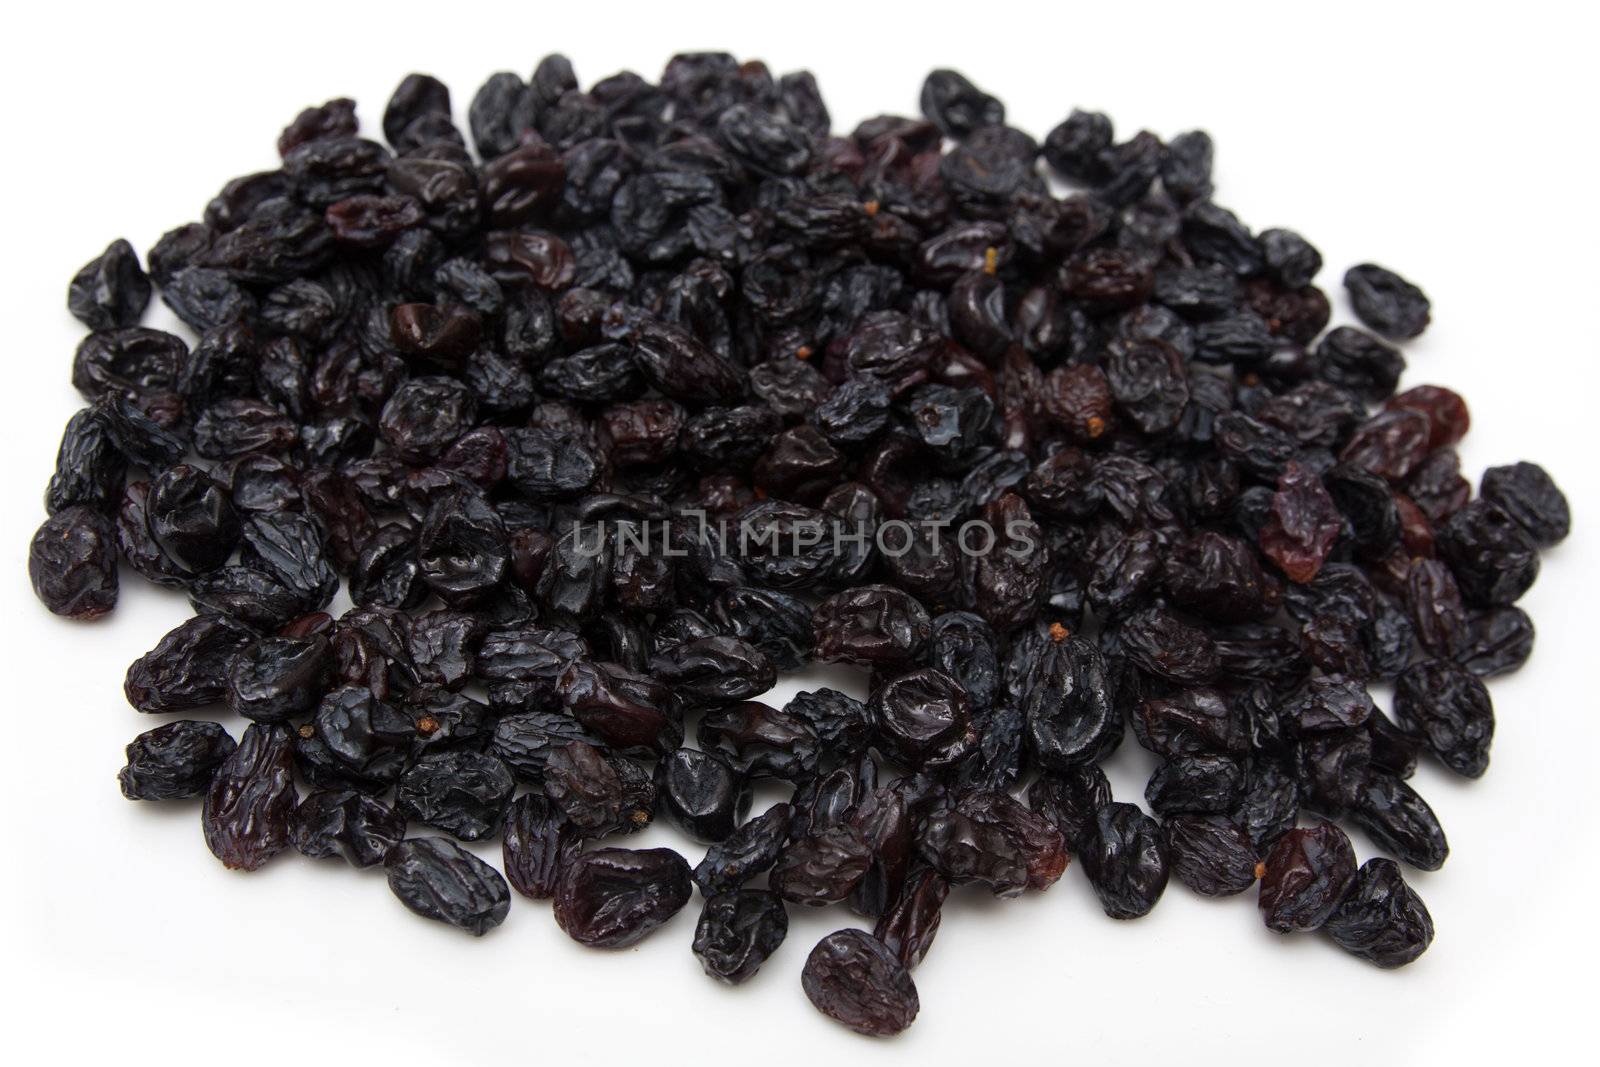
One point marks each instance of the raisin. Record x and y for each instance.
(175, 761)
(750, 850)
(1211, 854)
(348, 824)
(875, 625)
(699, 792)
(251, 799)
(1450, 708)
(1305, 876)
(1401, 822)
(1526, 493)
(438, 879)
(613, 897)
(189, 667)
(1387, 302)
(537, 845)
(72, 563)
(1303, 524)
(991, 840)
(908, 926)
(737, 931)
(192, 519)
(924, 719)
(1381, 919)
(110, 290)
(463, 793)
(1125, 857)
(598, 794)
(854, 979)
(821, 867)
(277, 679)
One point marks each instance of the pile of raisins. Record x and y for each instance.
(434, 375)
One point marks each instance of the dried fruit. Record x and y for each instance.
(438, 879)
(737, 932)
(250, 799)
(72, 563)
(1381, 919)
(1305, 877)
(174, 761)
(613, 897)
(855, 980)
(666, 390)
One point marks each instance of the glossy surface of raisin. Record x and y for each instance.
(855, 980)
(613, 897)
(72, 563)
(1381, 919)
(1125, 856)
(175, 761)
(345, 823)
(737, 931)
(1305, 877)
(438, 879)
(251, 799)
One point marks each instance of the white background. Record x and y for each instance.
(1456, 148)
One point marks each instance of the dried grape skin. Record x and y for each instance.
(736, 933)
(749, 851)
(110, 290)
(855, 980)
(1401, 823)
(1125, 856)
(1532, 499)
(1387, 302)
(438, 879)
(1210, 854)
(72, 563)
(1450, 709)
(250, 800)
(1305, 876)
(345, 823)
(613, 897)
(174, 761)
(536, 845)
(1381, 920)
